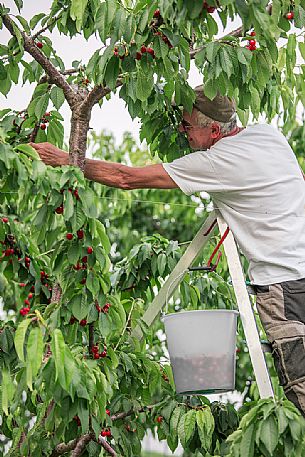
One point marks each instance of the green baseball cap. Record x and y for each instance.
(221, 108)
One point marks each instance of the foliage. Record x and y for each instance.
(71, 374)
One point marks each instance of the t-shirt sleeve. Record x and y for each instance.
(194, 172)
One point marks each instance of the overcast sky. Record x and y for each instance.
(113, 115)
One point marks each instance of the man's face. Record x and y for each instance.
(199, 138)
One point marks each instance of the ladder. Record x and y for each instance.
(239, 285)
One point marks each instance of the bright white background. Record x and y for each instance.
(113, 115)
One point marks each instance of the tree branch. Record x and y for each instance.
(63, 448)
(55, 76)
(95, 95)
(107, 446)
(46, 27)
(82, 443)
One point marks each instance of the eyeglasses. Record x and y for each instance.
(187, 126)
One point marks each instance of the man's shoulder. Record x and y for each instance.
(261, 127)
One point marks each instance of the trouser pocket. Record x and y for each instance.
(289, 359)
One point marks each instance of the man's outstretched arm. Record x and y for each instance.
(110, 173)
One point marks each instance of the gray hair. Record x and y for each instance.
(225, 127)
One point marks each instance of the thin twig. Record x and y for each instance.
(127, 320)
(47, 26)
(55, 76)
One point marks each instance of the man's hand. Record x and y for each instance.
(50, 154)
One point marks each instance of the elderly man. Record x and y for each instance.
(255, 181)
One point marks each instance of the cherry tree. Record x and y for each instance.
(73, 379)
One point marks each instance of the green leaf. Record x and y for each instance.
(68, 206)
(77, 10)
(174, 420)
(102, 235)
(186, 428)
(161, 262)
(28, 150)
(112, 72)
(35, 348)
(247, 441)
(41, 105)
(57, 96)
(19, 338)
(64, 362)
(144, 85)
(35, 19)
(92, 283)
(78, 307)
(8, 389)
(73, 253)
(269, 434)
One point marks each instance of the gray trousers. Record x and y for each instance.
(281, 308)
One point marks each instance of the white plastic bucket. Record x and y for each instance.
(202, 348)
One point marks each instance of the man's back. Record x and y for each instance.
(255, 181)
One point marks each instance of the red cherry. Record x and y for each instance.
(30, 296)
(80, 234)
(42, 274)
(39, 44)
(98, 308)
(69, 236)
(159, 419)
(143, 49)
(77, 266)
(104, 433)
(43, 126)
(94, 349)
(83, 322)
(96, 355)
(22, 284)
(151, 52)
(252, 42)
(60, 209)
(32, 289)
(211, 9)
(75, 193)
(89, 250)
(108, 433)
(252, 48)
(253, 33)
(290, 15)
(26, 302)
(116, 53)
(138, 56)
(85, 259)
(157, 13)
(47, 114)
(27, 259)
(83, 281)
(5, 220)
(103, 354)
(7, 252)
(108, 412)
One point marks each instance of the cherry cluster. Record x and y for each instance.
(252, 43)
(60, 209)
(98, 355)
(45, 120)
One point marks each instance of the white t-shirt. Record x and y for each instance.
(255, 181)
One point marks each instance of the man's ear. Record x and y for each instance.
(215, 130)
